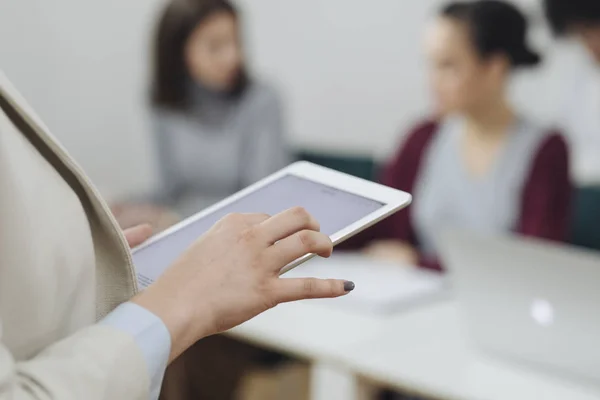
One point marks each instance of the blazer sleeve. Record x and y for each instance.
(401, 172)
(546, 201)
(96, 363)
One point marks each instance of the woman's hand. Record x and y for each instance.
(393, 250)
(132, 215)
(231, 274)
(138, 235)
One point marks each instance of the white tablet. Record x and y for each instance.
(344, 206)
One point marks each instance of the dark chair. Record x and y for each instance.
(360, 166)
(585, 228)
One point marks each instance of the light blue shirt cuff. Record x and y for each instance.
(150, 334)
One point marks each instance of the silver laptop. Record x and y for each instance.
(529, 300)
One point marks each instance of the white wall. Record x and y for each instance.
(83, 64)
(351, 71)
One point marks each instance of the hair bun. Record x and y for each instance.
(526, 58)
(496, 27)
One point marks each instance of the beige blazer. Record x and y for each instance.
(64, 264)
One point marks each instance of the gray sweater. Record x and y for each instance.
(219, 147)
(449, 197)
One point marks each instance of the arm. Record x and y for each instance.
(100, 362)
(169, 188)
(225, 278)
(265, 149)
(151, 336)
(433, 265)
(545, 209)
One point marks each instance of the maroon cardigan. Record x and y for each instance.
(545, 201)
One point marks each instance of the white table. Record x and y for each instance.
(321, 330)
(320, 334)
(421, 351)
(426, 352)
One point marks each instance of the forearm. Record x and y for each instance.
(161, 299)
(97, 363)
(124, 356)
(151, 336)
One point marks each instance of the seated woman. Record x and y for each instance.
(216, 128)
(480, 165)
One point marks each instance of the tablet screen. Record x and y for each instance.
(334, 209)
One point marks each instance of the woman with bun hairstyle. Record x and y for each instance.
(479, 165)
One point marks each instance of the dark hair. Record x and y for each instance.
(495, 27)
(563, 14)
(171, 76)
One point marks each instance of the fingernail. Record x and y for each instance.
(349, 286)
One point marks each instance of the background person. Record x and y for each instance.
(217, 128)
(481, 165)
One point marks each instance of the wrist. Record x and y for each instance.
(183, 324)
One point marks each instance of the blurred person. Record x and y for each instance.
(579, 111)
(217, 129)
(580, 18)
(73, 324)
(480, 165)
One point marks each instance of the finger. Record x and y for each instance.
(138, 235)
(299, 244)
(287, 223)
(370, 249)
(295, 289)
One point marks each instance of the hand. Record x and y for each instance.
(231, 274)
(137, 235)
(393, 250)
(131, 215)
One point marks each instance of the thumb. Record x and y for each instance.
(138, 235)
(293, 289)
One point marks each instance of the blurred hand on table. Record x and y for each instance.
(393, 251)
(131, 215)
(137, 235)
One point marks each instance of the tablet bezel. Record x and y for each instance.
(393, 200)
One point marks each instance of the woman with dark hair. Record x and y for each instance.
(197, 44)
(479, 165)
(216, 129)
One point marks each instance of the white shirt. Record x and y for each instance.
(580, 119)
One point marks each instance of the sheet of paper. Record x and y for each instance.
(381, 287)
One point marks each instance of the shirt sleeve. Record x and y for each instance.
(150, 334)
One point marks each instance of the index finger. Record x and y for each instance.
(288, 223)
(294, 289)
